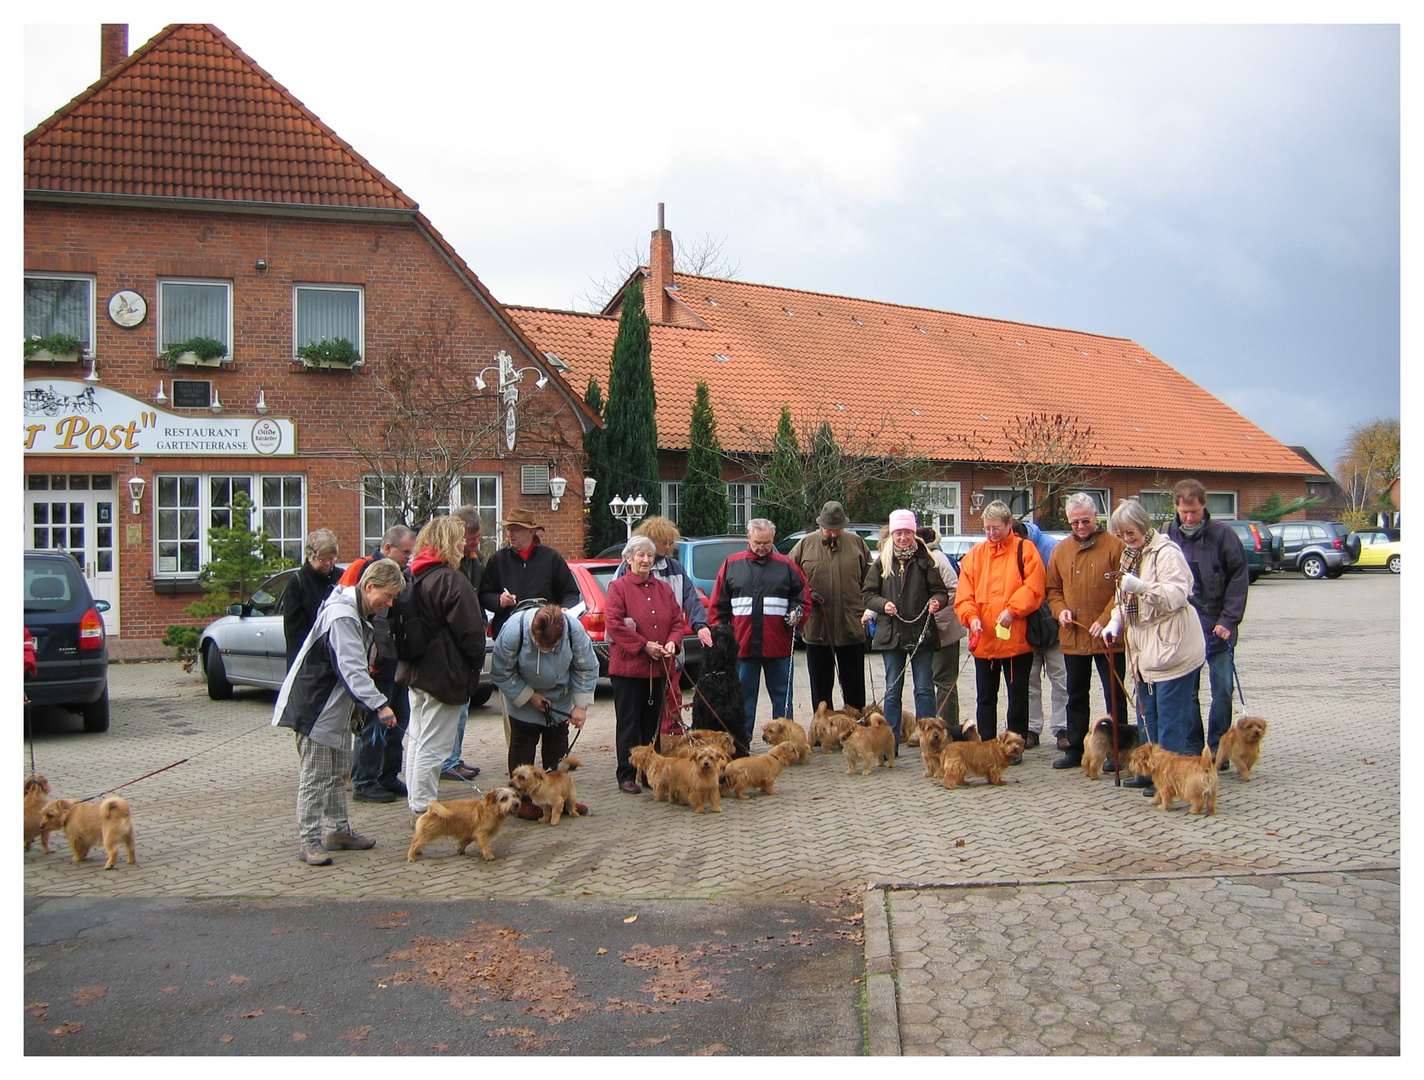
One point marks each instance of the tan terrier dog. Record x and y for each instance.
(553, 792)
(88, 825)
(696, 780)
(1098, 748)
(467, 820)
(1182, 776)
(757, 771)
(784, 730)
(829, 727)
(36, 799)
(1241, 745)
(986, 759)
(688, 744)
(934, 737)
(871, 741)
(653, 769)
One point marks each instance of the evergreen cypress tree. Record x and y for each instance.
(703, 509)
(783, 494)
(630, 435)
(598, 522)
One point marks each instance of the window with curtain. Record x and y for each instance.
(1221, 504)
(672, 499)
(1018, 499)
(60, 305)
(188, 505)
(941, 503)
(328, 312)
(190, 309)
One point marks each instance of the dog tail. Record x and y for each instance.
(569, 764)
(438, 809)
(1208, 760)
(113, 807)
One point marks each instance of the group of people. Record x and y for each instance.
(1163, 602)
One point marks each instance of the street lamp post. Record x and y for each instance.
(629, 511)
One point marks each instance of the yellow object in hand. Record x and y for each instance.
(1001, 632)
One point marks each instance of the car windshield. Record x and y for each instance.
(603, 575)
(50, 586)
(707, 559)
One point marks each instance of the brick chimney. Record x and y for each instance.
(113, 46)
(659, 273)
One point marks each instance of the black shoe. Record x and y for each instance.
(1109, 766)
(397, 788)
(1068, 761)
(374, 795)
(1062, 740)
(1138, 781)
(1223, 766)
(1149, 791)
(1031, 740)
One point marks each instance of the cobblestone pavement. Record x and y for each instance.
(1319, 659)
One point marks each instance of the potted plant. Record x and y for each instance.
(61, 347)
(328, 354)
(196, 350)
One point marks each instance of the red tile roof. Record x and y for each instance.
(190, 115)
(929, 380)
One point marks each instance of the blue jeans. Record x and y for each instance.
(1171, 712)
(778, 686)
(921, 670)
(1219, 668)
(454, 758)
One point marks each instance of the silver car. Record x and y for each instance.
(248, 646)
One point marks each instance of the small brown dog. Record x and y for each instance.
(757, 771)
(1182, 776)
(1098, 748)
(934, 737)
(695, 780)
(829, 727)
(1241, 745)
(653, 768)
(788, 731)
(467, 820)
(553, 792)
(88, 825)
(871, 740)
(986, 759)
(36, 799)
(688, 744)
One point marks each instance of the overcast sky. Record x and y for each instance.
(1226, 196)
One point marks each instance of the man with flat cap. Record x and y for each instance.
(834, 562)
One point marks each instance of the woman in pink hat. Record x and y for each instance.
(904, 589)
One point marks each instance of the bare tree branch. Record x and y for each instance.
(705, 257)
(1041, 452)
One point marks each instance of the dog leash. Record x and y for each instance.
(1235, 678)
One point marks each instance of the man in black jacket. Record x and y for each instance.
(1220, 580)
(308, 588)
(525, 570)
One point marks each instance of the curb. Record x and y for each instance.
(882, 1015)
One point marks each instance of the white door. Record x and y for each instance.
(78, 513)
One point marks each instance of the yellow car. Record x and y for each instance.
(1378, 547)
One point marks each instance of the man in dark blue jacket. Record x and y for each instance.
(1220, 580)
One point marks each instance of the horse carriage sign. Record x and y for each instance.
(65, 416)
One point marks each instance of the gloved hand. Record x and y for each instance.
(1113, 629)
(1131, 583)
(817, 598)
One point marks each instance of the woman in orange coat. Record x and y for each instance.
(994, 601)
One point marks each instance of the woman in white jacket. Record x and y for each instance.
(1165, 646)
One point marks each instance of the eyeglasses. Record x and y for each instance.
(1075, 522)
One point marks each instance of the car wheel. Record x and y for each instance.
(1334, 573)
(1254, 577)
(1313, 567)
(219, 689)
(96, 714)
(481, 696)
(1393, 564)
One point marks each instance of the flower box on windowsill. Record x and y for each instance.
(326, 365)
(192, 359)
(40, 356)
(221, 363)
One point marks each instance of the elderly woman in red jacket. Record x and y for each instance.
(645, 625)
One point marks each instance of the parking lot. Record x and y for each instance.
(1319, 659)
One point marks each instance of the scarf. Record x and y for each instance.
(1131, 563)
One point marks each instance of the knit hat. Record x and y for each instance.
(902, 519)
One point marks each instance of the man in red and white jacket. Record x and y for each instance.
(762, 594)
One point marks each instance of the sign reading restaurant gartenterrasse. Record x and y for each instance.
(64, 416)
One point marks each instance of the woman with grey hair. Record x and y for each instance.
(1165, 645)
(644, 624)
(309, 586)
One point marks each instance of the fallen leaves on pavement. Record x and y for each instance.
(87, 995)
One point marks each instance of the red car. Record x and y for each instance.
(593, 576)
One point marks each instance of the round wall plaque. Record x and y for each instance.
(127, 308)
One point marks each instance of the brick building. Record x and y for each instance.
(934, 384)
(187, 195)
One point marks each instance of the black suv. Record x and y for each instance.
(1318, 549)
(1262, 543)
(68, 631)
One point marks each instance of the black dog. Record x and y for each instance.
(717, 698)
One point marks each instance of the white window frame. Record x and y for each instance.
(206, 509)
(1102, 499)
(212, 282)
(359, 290)
(465, 492)
(941, 500)
(672, 499)
(741, 506)
(37, 275)
(1009, 495)
(1235, 503)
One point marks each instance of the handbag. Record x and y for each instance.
(1042, 627)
